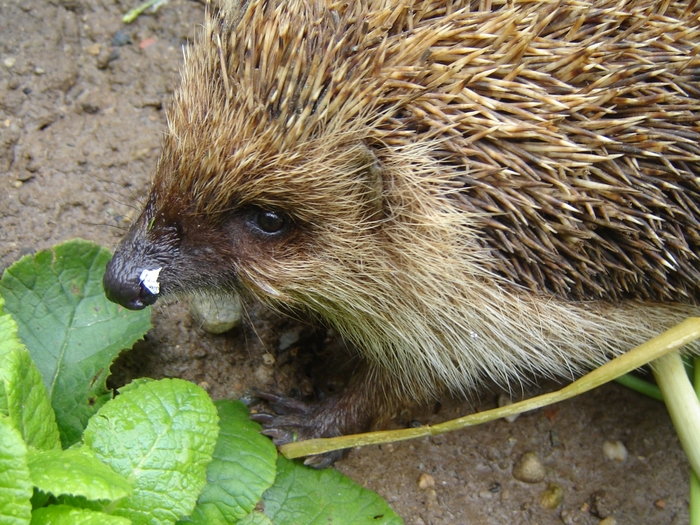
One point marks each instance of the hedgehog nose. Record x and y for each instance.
(124, 286)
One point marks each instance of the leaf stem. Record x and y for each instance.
(640, 385)
(694, 481)
(134, 13)
(682, 403)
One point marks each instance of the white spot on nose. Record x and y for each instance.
(149, 278)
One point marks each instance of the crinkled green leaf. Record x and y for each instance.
(76, 472)
(39, 498)
(66, 515)
(161, 437)
(243, 467)
(322, 497)
(24, 399)
(9, 340)
(80, 502)
(23, 395)
(71, 330)
(134, 384)
(15, 485)
(255, 518)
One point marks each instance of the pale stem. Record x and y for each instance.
(682, 404)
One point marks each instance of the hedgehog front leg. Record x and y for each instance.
(286, 419)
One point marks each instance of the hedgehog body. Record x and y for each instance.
(463, 191)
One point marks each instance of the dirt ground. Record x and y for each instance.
(81, 115)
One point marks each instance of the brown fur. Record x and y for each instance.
(472, 190)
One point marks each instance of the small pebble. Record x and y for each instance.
(603, 504)
(615, 451)
(552, 497)
(216, 313)
(431, 500)
(268, 359)
(289, 338)
(504, 401)
(660, 504)
(146, 43)
(608, 521)
(89, 108)
(554, 438)
(529, 468)
(107, 56)
(94, 49)
(263, 374)
(10, 62)
(120, 39)
(39, 71)
(426, 481)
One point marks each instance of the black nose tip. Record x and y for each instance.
(125, 287)
(130, 295)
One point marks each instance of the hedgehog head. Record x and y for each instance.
(272, 178)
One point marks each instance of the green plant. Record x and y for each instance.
(160, 452)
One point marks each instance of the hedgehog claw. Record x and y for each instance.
(326, 460)
(262, 417)
(283, 405)
(278, 436)
(270, 397)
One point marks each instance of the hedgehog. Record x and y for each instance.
(464, 191)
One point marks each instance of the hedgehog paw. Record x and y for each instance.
(287, 420)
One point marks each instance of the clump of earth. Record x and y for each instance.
(82, 98)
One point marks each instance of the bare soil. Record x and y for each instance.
(81, 114)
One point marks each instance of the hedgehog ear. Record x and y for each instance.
(372, 174)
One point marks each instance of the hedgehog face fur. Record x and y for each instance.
(463, 192)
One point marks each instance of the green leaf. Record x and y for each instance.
(255, 518)
(76, 472)
(24, 399)
(80, 502)
(160, 436)
(40, 499)
(23, 396)
(15, 485)
(65, 515)
(9, 340)
(322, 497)
(72, 331)
(243, 467)
(134, 384)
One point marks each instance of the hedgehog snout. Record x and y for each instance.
(132, 286)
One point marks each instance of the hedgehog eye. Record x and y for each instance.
(269, 221)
